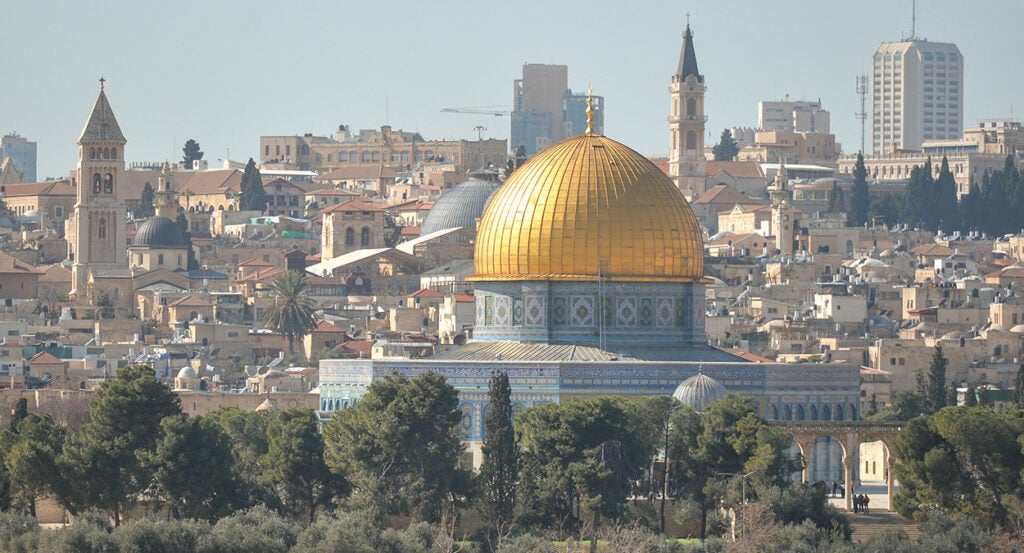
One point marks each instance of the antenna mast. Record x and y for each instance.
(913, 20)
(862, 90)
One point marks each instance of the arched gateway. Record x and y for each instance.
(850, 435)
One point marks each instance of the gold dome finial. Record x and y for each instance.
(590, 109)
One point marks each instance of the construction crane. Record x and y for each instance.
(496, 111)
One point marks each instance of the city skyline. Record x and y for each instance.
(174, 72)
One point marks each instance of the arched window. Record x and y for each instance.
(108, 184)
(800, 413)
(106, 153)
(691, 140)
(101, 228)
(350, 237)
(160, 259)
(305, 149)
(364, 237)
(691, 107)
(179, 260)
(840, 415)
(97, 183)
(789, 412)
(853, 412)
(814, 412)
(826, 413)
(113, 153)
(774, 412)
(92, 153)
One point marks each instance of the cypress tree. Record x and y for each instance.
(253, 197)
(860, 202)
(936, 387)
(949, 216)
(500, 470)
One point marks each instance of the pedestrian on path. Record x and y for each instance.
(835, 488)
(866, 501)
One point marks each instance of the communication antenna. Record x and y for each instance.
(862, 91)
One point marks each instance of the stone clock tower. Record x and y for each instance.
(99, 240)
(686, 123)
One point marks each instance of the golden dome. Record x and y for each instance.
(589, 207)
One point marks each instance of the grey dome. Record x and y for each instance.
(187, 372)
(159, 232)
(459, 207)
(699, 391)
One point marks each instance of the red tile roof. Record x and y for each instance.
(351, 205)
(48, 188)
(425, 293)
(736, 169)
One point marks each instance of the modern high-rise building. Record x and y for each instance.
(545, 111)
(917, 94)
(22, 152)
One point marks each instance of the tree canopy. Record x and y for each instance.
(252, 197)
(399, 447)
(191, 153)
(727, 149)
(860, 202)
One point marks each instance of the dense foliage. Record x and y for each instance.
(252, 196)
(727, 148)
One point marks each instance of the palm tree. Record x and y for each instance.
(292, 311)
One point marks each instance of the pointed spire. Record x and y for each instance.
(688, 58)
(102, 125)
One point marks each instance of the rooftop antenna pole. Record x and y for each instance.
(913, 20)
(862, 90)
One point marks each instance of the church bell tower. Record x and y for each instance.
(99, 223)
(686, 123)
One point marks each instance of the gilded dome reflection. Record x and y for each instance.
(589, 207)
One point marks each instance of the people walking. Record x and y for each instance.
(865, 502)
(835, 488)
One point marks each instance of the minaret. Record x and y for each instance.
(101, 208)
(783, 219)
(165, 199)
(686, 124)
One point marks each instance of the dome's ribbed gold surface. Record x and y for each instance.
(589, 207)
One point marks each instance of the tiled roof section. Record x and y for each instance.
(213, 182)
(660, 163)
(325, 326)
(932, 250)
(45, 358)
(737, 169)
(189, 300)
(723, 194)
(733, 239)
(360, 347)
(263, 274)
(334, 192)
(11, 264)
(55, 273)
(255, 262)
(752, 357)
(748, 208)
(102, 126)
(489, 351)
(351, 205)
(463, 298)
(48, 188)
(1013, 271)
(410, 231)
(425, 293)
(358, 172)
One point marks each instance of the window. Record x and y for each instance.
(101, 228)
(691, 107)
(108, 184)
(691, 140)
(160, 259)
(266, 149)
(58, 211)
(350, 237)
(364, 237)
(97, 183)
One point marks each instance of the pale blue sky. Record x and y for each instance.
(226, 73)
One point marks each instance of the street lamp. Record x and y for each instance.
(743, 489)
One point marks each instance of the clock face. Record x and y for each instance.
(359, 282)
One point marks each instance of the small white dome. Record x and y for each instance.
(699, 391)
(187, 372)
